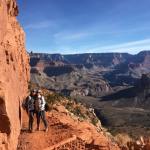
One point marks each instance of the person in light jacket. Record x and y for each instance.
(40, 110)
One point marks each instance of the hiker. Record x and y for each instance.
(40, 110)
(30, 108)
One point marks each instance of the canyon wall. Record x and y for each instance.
(14, 74)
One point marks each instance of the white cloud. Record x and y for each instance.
(131, 47)
(40, 25)
(63, 36)
(68, 35)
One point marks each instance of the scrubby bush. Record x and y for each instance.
(94, 121)
(72, 105)
(53, 98)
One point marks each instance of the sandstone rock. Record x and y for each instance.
(14, 73)
(61, 109)
(145, 81)
(86, 132)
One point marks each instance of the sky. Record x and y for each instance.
(85, 26)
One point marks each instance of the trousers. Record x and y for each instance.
(31, 118)
(41, 115)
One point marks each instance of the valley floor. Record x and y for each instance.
(130, 120)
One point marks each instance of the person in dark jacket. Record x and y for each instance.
(31, 108)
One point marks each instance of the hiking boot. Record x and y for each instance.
(31, 130)
(38, 128)
(46, 129)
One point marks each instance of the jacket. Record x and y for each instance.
(40, 103)
(30, 103)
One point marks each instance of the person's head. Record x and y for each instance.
(39, 92)
(33, 92)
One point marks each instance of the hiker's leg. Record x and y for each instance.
(32, 120)
(29, 123)
(31, 117)
(44, 118)
(38, 116)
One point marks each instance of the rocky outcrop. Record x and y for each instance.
(67, 76)
(14, 74)
(119, 69)
(145, 81)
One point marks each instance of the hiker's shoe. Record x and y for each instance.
(46, 130)
(31, 131)
(38, 128)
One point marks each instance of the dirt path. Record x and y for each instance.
(39, 140)
(65, 133)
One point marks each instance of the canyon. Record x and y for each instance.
(116, 84)
(88, 74)
(14, 81)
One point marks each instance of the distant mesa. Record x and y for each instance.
(100, 72)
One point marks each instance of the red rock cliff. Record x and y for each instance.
(14, 74)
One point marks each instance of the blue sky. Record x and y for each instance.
(85, 26)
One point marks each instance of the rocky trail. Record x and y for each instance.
(64, 134)
(39, 139)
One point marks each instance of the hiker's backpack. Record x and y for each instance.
(28, 104)
(25, 104)
(47, 108)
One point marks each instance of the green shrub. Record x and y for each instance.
(94, 121)
(53, 98)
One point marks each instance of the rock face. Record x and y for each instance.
(14, 74)
(64, 74)
(88, 74)
(118, 69)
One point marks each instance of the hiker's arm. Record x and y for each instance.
(43, 101)
(25, 103)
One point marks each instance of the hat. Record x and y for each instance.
(39, 91)
(34, 90)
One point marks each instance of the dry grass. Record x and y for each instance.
(122, 139)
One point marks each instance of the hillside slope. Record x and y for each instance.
(126, 110)
(65, 132)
